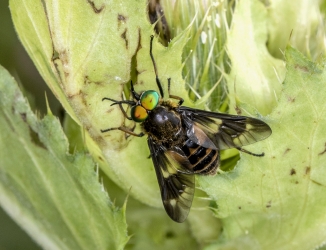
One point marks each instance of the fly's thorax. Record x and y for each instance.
(169, 104)
(163, 124)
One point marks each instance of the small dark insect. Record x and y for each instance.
(184, 141)
(157, 17)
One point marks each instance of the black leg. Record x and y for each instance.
(133, 92)
(250, 153)
(159, 85)
(174, 96)
(131, 103)
(124, 130)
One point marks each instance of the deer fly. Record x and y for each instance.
(185, 141)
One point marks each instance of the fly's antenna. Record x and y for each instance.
(159, 85)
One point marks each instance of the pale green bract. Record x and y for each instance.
(56, 197)
(84, 51)
(278, 201)
(256, 77)
(87, 50)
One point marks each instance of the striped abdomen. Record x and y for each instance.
(203, 160)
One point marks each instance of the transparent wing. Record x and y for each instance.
(175, 179)
(224, 131)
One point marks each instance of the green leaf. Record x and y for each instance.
(278, 201)
(256, 76)
(152, 229)
(205, 59)
(54, 196)
(300, 22)
(85, 51)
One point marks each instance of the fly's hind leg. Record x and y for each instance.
(250, 153)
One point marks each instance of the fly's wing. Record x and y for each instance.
(175, 179)
(223, 130)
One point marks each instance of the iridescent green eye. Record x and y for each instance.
(138, 113)
(149, 99)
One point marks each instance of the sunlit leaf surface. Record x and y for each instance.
(54, 196)
(88, 50)
(278, 201)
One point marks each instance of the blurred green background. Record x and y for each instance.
(15, 59)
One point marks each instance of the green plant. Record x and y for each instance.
(87, 50)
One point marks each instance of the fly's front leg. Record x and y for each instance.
(131, 103)
(159, 85)
(174, 96)
(124, 130)
(133, 92)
